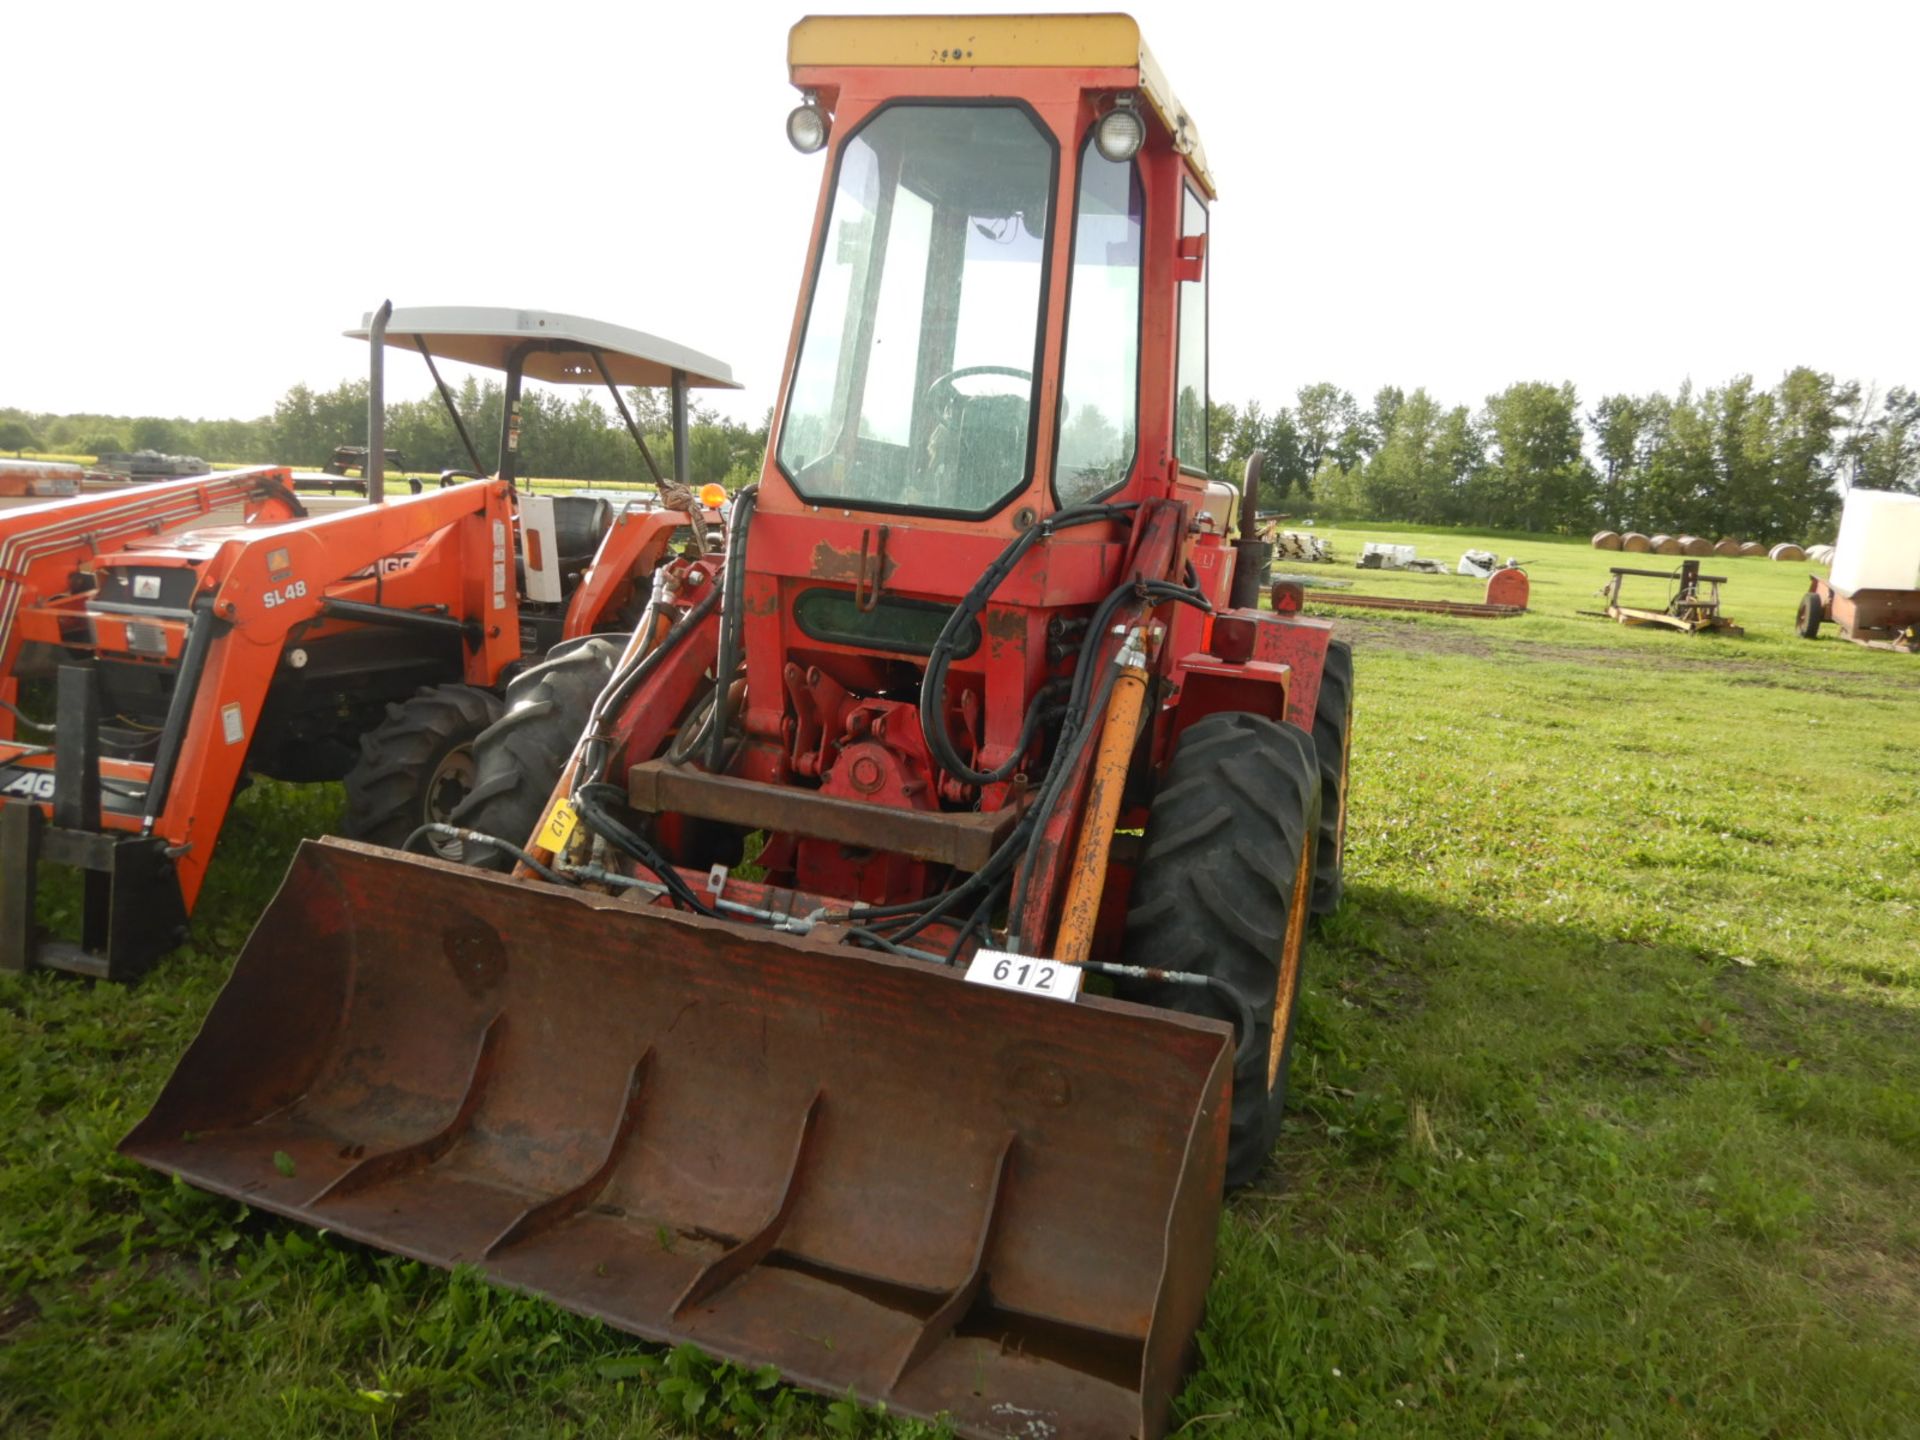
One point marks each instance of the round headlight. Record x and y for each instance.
(1119, 134)
(807, 128)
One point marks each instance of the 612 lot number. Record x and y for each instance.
(1029, 974)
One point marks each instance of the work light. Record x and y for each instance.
(1118, 135)
(807, 127)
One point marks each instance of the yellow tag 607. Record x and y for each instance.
(558, 827)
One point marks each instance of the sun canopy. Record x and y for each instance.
(488, 335)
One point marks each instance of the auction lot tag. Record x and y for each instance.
(558, 830)
(1028, 974)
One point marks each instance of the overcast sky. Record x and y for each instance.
(200, 197)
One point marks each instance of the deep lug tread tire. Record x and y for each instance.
(519, 757)
(1332, 737)
(1214, 892)
(388, 787)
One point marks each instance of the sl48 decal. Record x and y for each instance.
(285, 595)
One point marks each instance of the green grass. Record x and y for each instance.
(1607, 1102)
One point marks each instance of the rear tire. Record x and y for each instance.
(1332, 742)
(1223, 890)
(417, 765)
(518, 759)
(1810, 616)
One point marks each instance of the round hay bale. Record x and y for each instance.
(1727, 547)
(1634, 543)
(1750, 548)
(1694, 545)
(1786, 550)
(1607, 540)
(1664, 545)
(1820, 554)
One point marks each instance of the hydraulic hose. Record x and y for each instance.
(593, 764)
(733, 582)
(933, 686)
(478, 837)
(1247, 1023)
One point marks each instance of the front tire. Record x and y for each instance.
(417, 765)
(1223, 889)
(518, 760)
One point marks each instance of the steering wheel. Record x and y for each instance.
(943, 385)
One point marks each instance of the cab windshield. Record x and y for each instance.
(914, 387)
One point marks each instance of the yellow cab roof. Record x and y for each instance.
(944, 42)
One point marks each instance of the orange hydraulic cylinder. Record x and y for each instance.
(1087, 878)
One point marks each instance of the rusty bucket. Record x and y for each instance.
(861, 1169)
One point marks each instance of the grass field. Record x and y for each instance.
(1607, 1105)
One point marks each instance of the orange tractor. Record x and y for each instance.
(188, 634)
(979, 691)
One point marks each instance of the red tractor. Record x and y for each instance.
(188, 634)
(902, 941)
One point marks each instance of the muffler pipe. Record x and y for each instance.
(376, 466)
(1251, 554)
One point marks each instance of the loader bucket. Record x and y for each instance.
(861, 1169)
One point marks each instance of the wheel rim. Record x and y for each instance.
(1287, 984)
(452, 778)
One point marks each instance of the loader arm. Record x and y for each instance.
(210, 614)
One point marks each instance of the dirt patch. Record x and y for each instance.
(19, 1313)
(1787, 1018)
(1869, 1280)
(1411, 635)
(1375, 983)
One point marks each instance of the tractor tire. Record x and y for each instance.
(1223, 890)
(518, 759)
(1332, 742)
(1807, 622)
(417, 765)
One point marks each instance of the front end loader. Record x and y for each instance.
(185, 635)
(877, 962)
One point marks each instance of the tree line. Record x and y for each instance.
(563, 436)
(1739, 459)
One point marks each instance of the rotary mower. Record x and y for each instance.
(760, 1009)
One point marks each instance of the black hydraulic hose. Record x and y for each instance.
(1082, 722)
(1065, 761)
(477, 837)
(1247, 1023)
(595, 817)
(733, 582)
(933, 686)
(623, 684)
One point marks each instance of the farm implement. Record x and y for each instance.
(1872, 593)
(1692, 605)
(1877, 619)
(986, 688)
(1506, 596)
(191, 633)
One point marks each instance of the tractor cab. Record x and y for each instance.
(993, 269)
(560, 535)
